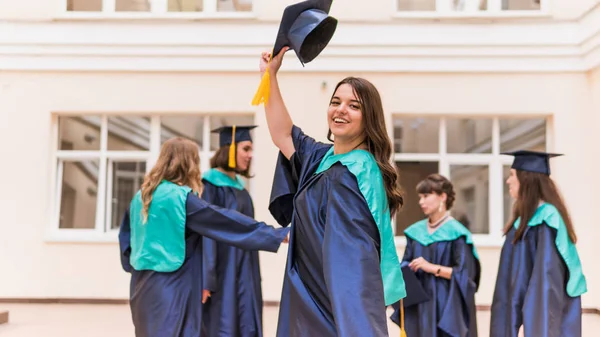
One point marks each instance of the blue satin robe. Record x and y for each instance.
(451, 310)
(332, 284)
(531, 289)
(231, 274)
(170, 304)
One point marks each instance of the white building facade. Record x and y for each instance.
(89, 90)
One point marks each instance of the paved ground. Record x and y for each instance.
(75, 320)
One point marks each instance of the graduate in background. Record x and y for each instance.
(440, 250)
(342, 267)
(540, 280)
(161, 243)
(231, 275)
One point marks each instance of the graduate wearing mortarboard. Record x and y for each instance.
(342, 268)
(540, 280)
(232, 281)
(442, 260)
(160, 242)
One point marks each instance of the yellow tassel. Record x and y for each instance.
(232, 149)
(264, 88)
(402, 331)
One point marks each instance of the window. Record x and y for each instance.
(463, 7)
(159, 6)
(125, 179)
(471, 185)
(466, 151)
(102, 160)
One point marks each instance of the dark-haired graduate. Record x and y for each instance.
(232, 281)
(342, 267)
(540, 280)
(445, 267)
(161, 243)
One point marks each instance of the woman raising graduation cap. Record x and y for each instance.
(540, 280)
(342, 268)
(231, 275)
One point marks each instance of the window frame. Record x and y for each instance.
(494, 10)
(102, 233)
(109, 188)
(158, 10)
(494, 161)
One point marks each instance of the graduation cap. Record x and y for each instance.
(415, 293)
(231, 135)
(306, 28)
(532, 161)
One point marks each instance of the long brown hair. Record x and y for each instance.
(534, 187)
(221, 160)
(377, 140)
(178, 163)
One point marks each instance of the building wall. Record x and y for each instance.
(587, 240)
(423, 67)
(39, 266)
(356, 10)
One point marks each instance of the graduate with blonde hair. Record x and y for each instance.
(161, 243)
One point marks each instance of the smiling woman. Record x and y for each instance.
(345, 122)
(355, 100)
(340, 200)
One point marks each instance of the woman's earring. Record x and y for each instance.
(440, 208)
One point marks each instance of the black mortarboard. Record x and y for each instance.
(242, 133)
(306, 28)
(415, 293)
(231, 135)
(532, 161)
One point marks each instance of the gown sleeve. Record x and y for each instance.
(351, 261)
(408, 251)
(545, 297)
(456, 314)
(209, 246)
(125, 242)
(502, 303)
(287, 175)
(231, 227)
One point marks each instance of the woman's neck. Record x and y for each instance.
(340, 147)
(436, 217)
(231, 174)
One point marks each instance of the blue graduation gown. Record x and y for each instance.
(170, 304)
(332, 284)
(231, 274)
(531, 287)
(451, 310)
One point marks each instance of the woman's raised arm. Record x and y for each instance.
(278, 118)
